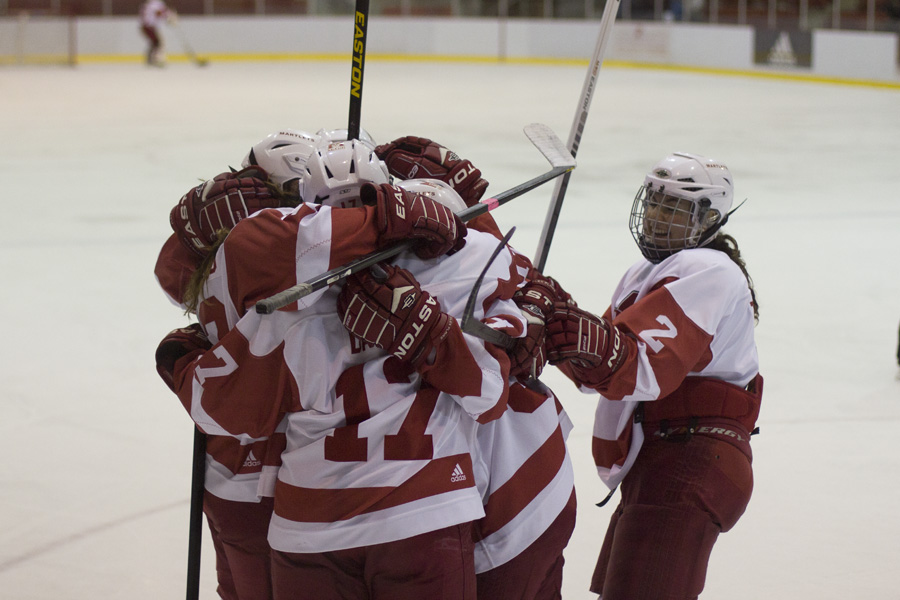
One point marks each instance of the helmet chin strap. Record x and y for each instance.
(731, 212)
(708, 235)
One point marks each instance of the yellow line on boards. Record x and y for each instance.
(761, 73)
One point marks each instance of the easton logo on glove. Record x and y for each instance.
(400, 207)
(401, 302)
(388, 309)
(219, 204)
(416, 326)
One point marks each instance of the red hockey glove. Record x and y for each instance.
(178, 344)
(593, 346)
(414, 157)
(541, 292)
(390, 311)
(219, 203)
(527, 357)
(405, 215)
(536, 300)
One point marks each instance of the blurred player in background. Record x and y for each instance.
(675, 362)
(154, 13)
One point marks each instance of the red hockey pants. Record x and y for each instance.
(675, 500)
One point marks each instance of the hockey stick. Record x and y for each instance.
(200, 62)
(195, 535)
(474, 326)
(357, 67)
(540, 135)
(584, 103)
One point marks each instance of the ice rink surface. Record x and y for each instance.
(94, 485)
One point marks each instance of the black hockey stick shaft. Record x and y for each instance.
(545, 140)
(195, 535)
(295, 293)
(469, 323)
(584, 104)
(357, 67)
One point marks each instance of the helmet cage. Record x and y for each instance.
(662, 223)
(683, 203)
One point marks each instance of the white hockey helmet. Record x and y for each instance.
(684, 201)
(335, 171)
(437, 190)
(340, 135)
(283, 155)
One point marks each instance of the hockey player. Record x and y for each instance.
(238, 518)
(154, 13)
(293, 530)
(522, 464)
(676, 366)
(237, 515)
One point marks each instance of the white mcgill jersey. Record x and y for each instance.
(374, 453)
(692, 316)
(233, 468)
(524, 473)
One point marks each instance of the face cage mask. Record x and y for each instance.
(662, 224)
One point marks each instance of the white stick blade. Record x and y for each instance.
(553, 149)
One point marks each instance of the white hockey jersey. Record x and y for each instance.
(232, 468)
(690, 316)
(374, 452)
(524, 473)
(153, 13)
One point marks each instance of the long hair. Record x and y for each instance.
(727, 244)
(194, 289)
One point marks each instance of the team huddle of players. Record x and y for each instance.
(361, 445)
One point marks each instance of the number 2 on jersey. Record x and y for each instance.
(651, 336)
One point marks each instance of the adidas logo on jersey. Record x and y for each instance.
(457, 474)
(251, 461)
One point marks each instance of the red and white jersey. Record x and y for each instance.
(524, 473)
(174, 267)
(153, 13)
(522, 463)
(691, 316)
(233, 468)
(374, 453)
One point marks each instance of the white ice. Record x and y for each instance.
(94, 486)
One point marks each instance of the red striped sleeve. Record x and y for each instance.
(675, 345)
